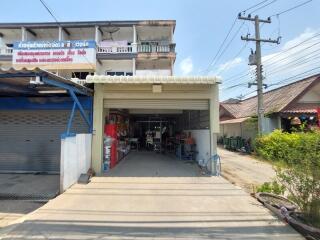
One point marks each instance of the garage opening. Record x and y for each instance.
(145, 142)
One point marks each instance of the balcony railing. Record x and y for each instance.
(6, 51)
(116, 49)
(144, 48)
(140, 48)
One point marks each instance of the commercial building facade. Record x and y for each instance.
(128, 66)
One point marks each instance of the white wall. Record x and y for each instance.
(75, 159)
(114, 66)
(202, 139)
(154, 72)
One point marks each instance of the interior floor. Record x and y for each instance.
(151, 164)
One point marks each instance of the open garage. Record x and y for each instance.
(149, 125)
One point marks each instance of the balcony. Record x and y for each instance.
(115, 49)
(6, 51)
(161, 48)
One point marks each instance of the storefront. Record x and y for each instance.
(158, 114)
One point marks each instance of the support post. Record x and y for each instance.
(134, 43)
(98, 129)
(71, 118)
(214, 124)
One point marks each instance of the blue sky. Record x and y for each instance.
(201, 27)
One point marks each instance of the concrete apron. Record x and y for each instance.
(152, 208)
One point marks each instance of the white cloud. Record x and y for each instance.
(229, 64)
(291, 61)
(186, 66)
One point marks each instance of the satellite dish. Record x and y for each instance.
(110, 30)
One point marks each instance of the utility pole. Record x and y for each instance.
(257, 62)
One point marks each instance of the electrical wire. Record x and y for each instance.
(256, 5)
(221, 45)
(226, 47)
(255, 10)
(292, 8)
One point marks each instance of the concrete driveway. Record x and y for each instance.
(152, 208)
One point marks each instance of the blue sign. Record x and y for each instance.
(41, 45)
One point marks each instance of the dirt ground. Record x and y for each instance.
(245, 171)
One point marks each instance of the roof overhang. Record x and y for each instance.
(203, 80)
(236, 120)
(37, 82)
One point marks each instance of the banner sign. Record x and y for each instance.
(73, 54)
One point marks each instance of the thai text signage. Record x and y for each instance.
(75, 54)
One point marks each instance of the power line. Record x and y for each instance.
(264, 6)
(49, 11)
(256, 5)
(226, 47)
(222, 44)
(234, 57)
(292, 8)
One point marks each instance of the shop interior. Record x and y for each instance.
(164, 132)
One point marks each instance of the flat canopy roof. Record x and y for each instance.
(207, 80)
(21, 82)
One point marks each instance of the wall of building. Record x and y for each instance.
(75, 159)
(114, 66)
(202, 140)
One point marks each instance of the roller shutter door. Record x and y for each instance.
(30, 140)
(180, 104)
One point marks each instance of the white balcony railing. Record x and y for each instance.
(144, 48)
(115, 49)
(6, 51)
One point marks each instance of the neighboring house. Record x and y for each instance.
(299, 99)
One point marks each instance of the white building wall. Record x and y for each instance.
(114, 66)
(75, 159)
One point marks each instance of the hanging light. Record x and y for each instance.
(295, 121)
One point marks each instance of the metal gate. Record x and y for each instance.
(30, 140)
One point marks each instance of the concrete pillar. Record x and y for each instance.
(214, 122)
(98, 128)
(134, 66)
(23, 34)
(97, 36)
(134, 43)
(62, 34)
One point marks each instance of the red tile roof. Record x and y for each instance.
(274, 101)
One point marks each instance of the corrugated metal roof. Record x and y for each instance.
(236, 120)
(153, 79)
(308, 108)
(9, 77)
(274, 101)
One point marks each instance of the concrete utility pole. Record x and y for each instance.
(257, 62)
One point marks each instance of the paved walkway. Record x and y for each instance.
(244, 170)
(152, 207)
(26, 187)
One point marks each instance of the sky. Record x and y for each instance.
(201, 27)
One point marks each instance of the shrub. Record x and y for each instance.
(299, 168)
(272, 187)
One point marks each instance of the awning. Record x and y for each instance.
(209, 80)
(19, 81)
(236, 120)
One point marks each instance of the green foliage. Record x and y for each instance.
(272, 187)
(299, 171)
